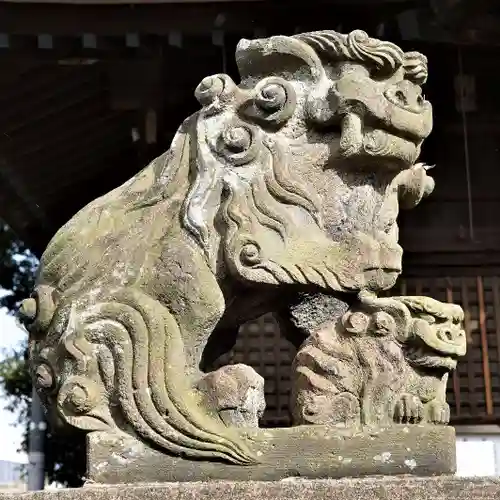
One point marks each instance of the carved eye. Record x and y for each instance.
(274, 101)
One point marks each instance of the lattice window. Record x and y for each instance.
(261, 346)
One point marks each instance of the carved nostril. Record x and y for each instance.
(420, 100)
(448, 335)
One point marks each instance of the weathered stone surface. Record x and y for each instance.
(385, 360)
(407, 488)
(237, 394)
(281, 193)
(306, 451)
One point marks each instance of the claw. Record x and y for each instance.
(408, 409)
(439, 412)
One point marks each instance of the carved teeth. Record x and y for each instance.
(351, 139)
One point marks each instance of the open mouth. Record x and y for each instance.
(364, 135)
(426, 357)
(372, 124)
(387, 269)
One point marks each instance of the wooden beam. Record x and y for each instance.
(447, 240)
(241, 17)
(138, 2)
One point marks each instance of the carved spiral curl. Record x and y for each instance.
(239, 144)
(36, 312)
(356, 322)
(215, 89)
(145, 365)
(274, 102)
(377, 143)
(384, 323)
(385, 55)
(251, 254)
(415, 65)
(79, 395)
(379, 323)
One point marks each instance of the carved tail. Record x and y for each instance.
(138, 353)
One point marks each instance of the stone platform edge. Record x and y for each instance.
(397, 488)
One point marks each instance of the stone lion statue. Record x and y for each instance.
(290, 181)
(386, 360)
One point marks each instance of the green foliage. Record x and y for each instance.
(64, 452)
(17, 269)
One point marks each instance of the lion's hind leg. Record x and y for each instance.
(129, 347)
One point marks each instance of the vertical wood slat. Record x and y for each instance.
(465, 306)
(456, 382)
(496, 307)
(246, 341)
(418, 287)
(278, 375)
(404, 288)
(484, 346)
(471, 385)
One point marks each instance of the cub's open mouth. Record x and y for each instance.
(424, 356)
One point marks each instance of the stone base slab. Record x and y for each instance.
(402, 488)
(312, 452)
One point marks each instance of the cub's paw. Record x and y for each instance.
(438, 412)
(408, 410)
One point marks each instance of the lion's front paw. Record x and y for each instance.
(409, 409)
(236, 392)
(438, 412)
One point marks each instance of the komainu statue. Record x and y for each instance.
(281, 194)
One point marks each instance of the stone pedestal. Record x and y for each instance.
(408, 488)
(308, 452)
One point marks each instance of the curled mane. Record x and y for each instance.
(255, 189)
(192, 180)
